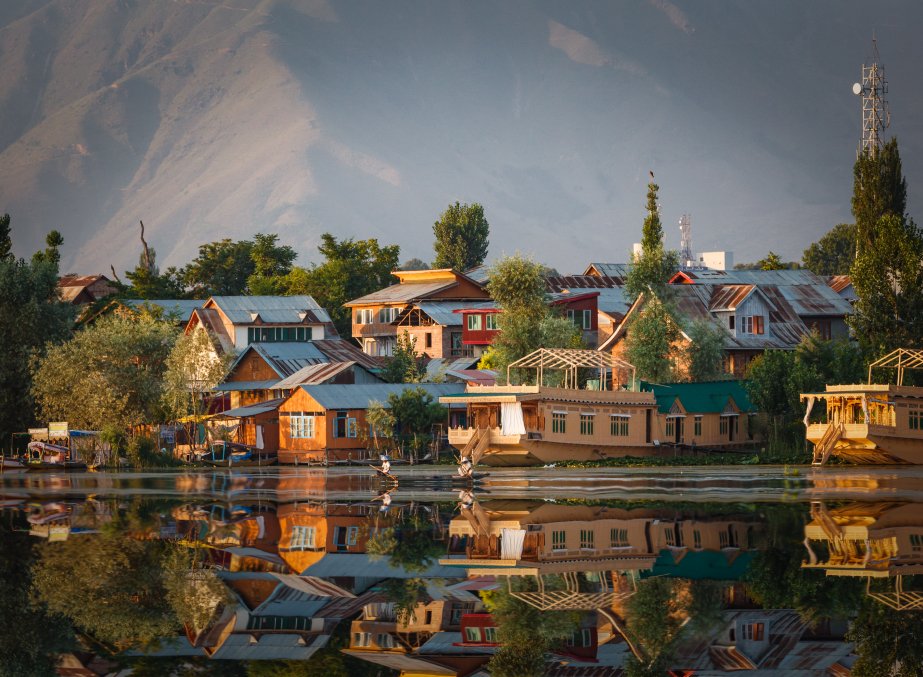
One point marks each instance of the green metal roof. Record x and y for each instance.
(705, 397)
(703, 565)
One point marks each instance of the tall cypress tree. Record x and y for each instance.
(879, 189)
(651, 269)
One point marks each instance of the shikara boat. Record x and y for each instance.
(231, 454)
(47, 456)
(10, 464)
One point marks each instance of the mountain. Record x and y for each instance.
(211, 119)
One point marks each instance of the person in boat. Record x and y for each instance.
(465, 468)
(465, 499)
(385, 502)
(385, 465)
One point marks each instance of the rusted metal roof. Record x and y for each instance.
(558, 283)
(729, 296)
(839, 282)
(313, 374)
(341, 350)
(618, 270)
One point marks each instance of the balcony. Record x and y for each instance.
(373, 329)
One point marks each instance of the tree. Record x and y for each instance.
(887, 643)
(653, 623)
(526, 322)
(834, 253)
(146, 279)
(888, 279)
(772, 262)
(653, 267)
(192, 370)
(704, 354)
(415, 411)
(351, 269)
(405, 365)
(879, 190)
(109, 374)
(52, 254)
(222, 268)
(271, 263)
(414, 264)
(195, 593)
(109, 585)
(32, 316)
(380, 420)
(6, 239)
(462, 234)
(650, 339)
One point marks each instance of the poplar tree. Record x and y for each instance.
(879, 189)
(654, 266)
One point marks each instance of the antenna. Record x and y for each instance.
(875, 114)
(685, 229)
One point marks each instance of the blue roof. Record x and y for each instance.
(359, 395)
(271, 309)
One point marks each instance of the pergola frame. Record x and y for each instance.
(898, 599)
(900, 359)
(569, 360)
(572, 598)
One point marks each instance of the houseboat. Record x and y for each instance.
(873, 423)
(533, 424)
(47, 456)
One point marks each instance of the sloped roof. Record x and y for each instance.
(401, 293)
(839, 282)
(358, 396)
(617, 270)
(729, 296)
(180, 308)
(313, 374)
(362, 565)
(247, 646)
(341, 350)
(284, 358)
(557, 283)
(703, 397)
(251, 409)
(444, 312)
(271, 309)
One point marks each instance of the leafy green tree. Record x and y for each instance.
(653, 623)
(704, 354)
(381, 421)
(650, 339)
(772, 262)
(351, 269)
(32, 316)
(879, 190)
(271, 263)
(52, 253)
(405, 365)
(222, 268)
(147, 282)
(6, 239)
(888, 279)
(111, 373)
(462, 237)
(653, 267)
(31, 637)
(415, 411)
(521, 659)
(526, 323)
(414, 264)
(834, 253)
(195, 594)
(109, 585)
(887, 643)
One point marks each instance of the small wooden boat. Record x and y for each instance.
(47, 456)
(233, 454)
(10, 464)
(384, 475)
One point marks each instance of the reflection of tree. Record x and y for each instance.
(887, 642)
(526, 634)
(409, 545)
(405, 594)
(109, 585)
(193, 592)
(30, 636)
(653, 624)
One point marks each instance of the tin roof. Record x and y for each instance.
(446, 313)
(358, 396)
(182, 309)
(313, 374)
(557, 283)
(235, 386)
(618, 270)
(729, 296)
(704, 397)
(839, 282)
(251, 409)
(362, 565)
(341, 350)
(401, 293)
(284, 358)
(271, 309)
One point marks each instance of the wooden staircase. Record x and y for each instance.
(477, 446)
(824, 447)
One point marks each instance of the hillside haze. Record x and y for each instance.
(221, 119)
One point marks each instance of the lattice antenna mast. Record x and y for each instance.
(876, 117)
(685, 242)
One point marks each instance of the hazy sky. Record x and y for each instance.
(211, 119)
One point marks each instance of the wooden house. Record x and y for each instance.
(81, 290)
(706, 414)
(422, 304)
(327, 422)
(256, 424)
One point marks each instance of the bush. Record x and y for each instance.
(142, 452)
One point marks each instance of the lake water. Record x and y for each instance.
(308, 571)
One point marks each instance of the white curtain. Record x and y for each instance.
(511, 543)
(511, 422)
(259, 437)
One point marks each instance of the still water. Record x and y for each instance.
(293, 571)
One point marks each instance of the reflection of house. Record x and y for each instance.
(311, 530)
(422, 304)
(327, 422)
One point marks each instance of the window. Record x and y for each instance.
(618, 426)
(753, 631)
(301, 426)
(490, 635)
(388, 315)
(671, 427)
(587, 319)
(277, 334)
(362, 639)
(302, 538)
(916, 542)
(581, 638)
(581, 318)
(751, 324)
(474, 322)
(915, 420)
(587, 538)
(384, 640)
(697, 539)
(618, 538)
(586, 424)
(668, 536)
(723, 425)
(344, 425)
(472, 634)
(697, 426)
(457, 346)
(364, 316)
(558, 422)
(723, 539)
(491, 321)
(559, 540)
(730, 322)
(428, 339)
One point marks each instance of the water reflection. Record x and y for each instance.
(312, 573)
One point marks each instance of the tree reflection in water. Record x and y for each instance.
(271, 586)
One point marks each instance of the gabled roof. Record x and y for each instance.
(449, 313)
(341, 350)
(313, 374)
(704, 397)
(729, 296)
(358, 396)
(251, 409)
(616, 270)
(414, 285)
(300, 309)
(284, 358)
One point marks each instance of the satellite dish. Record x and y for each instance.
(857, 89)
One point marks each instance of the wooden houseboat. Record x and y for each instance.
(870, 423)
(533, 424)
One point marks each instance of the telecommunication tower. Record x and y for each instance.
(875, 114)
(685, 254)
